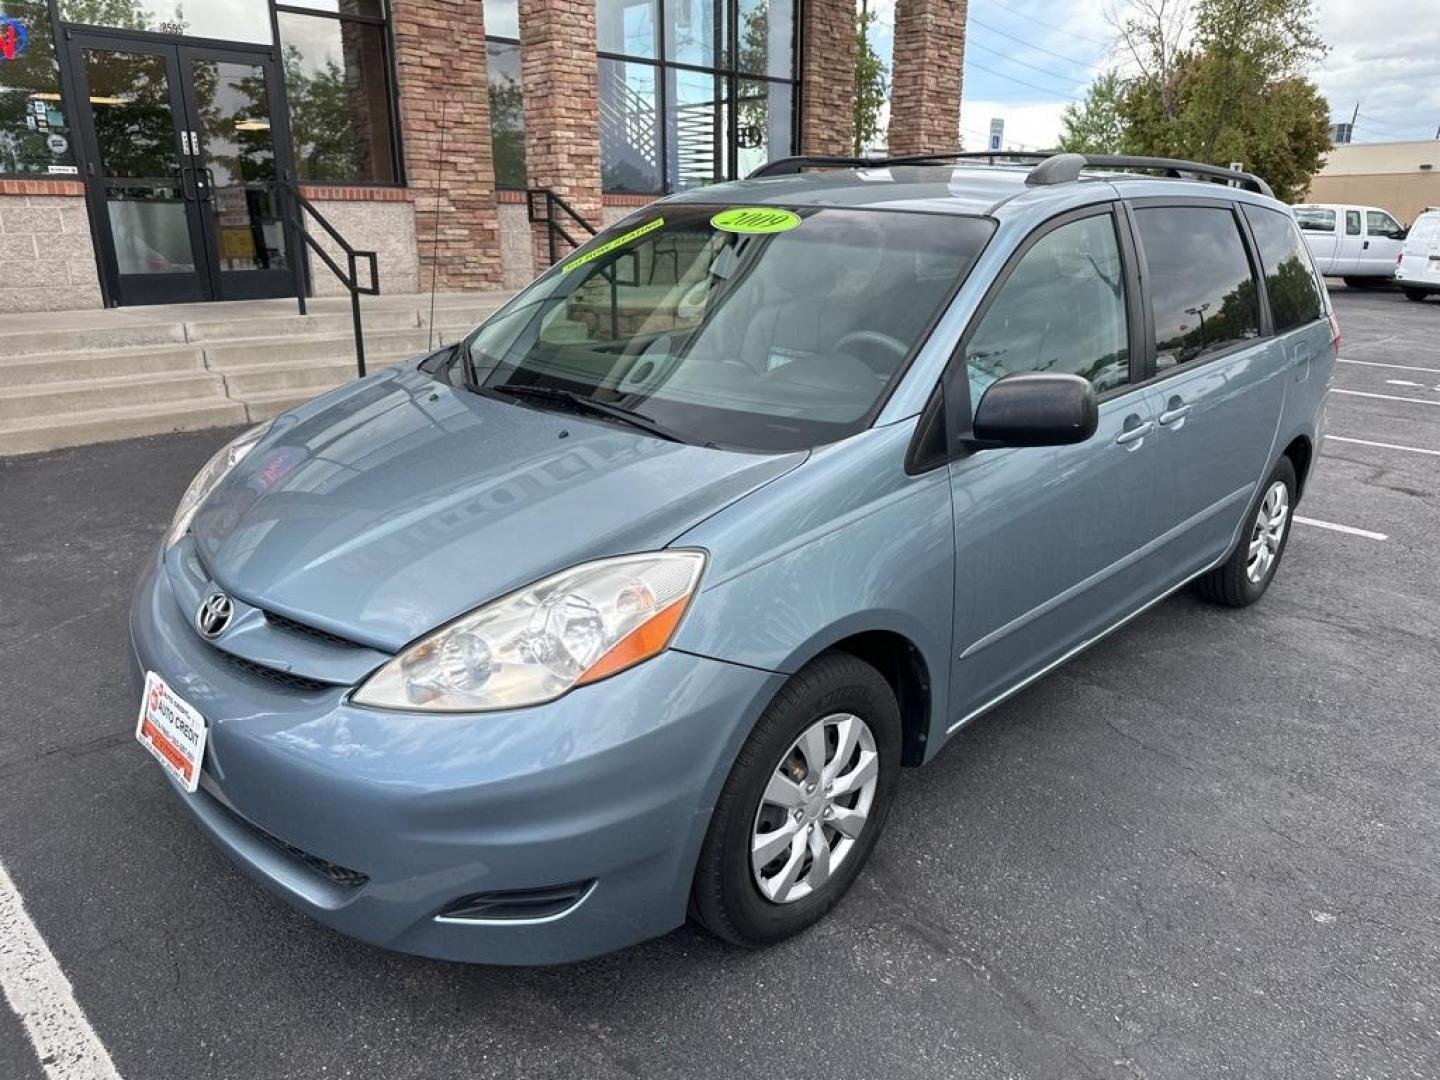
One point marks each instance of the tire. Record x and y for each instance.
(727, 897)
(1356, 282)
(1415, 294)
(1234, 583)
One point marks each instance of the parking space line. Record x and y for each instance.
(1398, 367)
(1383, 445)
(1348, 529)
(40, 995)
(1386, 397)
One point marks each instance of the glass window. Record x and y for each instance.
(695, 32)
(228, 20)
(697, 137)
(1314, 219)
(1352, 222)
(1379, 223)
(502, 19)
(766, 30)
(626, 27)
(34, 130)
(369, 9)
(629, 127)
(338, 84)
(1289, 276)
(1062, 309)
(507, 114)
(762, 124)
(770, 342)
(1202, 292)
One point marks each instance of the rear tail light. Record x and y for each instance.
(1334, 333)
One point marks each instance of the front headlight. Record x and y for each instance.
(206, 480)
(530, 647)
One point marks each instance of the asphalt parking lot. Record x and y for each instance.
(1207, 847)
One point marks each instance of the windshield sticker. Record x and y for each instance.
(611, 245)
(755, 219)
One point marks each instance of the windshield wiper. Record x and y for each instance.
(581, 403)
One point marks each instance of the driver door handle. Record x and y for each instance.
(1139, 431)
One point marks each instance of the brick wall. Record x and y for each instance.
(562, 121)
(827, 75)
(929, 58)
(440, 58)
(47, 261)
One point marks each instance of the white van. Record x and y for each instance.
(1358, 243)
(1418, 273)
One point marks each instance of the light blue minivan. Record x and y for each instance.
(632, 605)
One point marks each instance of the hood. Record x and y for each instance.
(403, 503)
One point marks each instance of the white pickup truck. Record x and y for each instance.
(1358, 243)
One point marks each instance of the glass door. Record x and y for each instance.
(138, 174)
(181, 166)
(231, 97)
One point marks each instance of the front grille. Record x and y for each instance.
(274, 675)
(339, 875)
(308, 631)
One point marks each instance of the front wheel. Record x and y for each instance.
(1415, 294)
(1243, 578)
(803, 806)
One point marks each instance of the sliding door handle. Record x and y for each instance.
(1134, 434)
(1174, 413)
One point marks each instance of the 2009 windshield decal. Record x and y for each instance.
(611, 245)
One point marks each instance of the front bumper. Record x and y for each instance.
(373, 822)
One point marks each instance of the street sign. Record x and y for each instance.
(997, 132)
(13, 39)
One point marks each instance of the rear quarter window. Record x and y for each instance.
(1202, 293)
(1294, 293)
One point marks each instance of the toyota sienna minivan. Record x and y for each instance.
(633, 604)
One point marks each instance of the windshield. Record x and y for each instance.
(702, 323)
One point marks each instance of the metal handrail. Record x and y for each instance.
(296, 208)
(553, 228)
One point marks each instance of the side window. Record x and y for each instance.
(1062, 309)
(1202, 292)
(1352, 222)
(1379, 223)
(1314, 219)
(1294, 293)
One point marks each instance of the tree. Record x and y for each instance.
(872, 84)
(1094, 127)
(1236, 90)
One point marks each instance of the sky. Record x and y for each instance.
(1026, 59)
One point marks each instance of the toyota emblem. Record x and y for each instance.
(214, 615)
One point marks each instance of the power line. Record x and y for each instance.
(1033, 67)
(1050, 25)
(1022, 82)
(1086, 64)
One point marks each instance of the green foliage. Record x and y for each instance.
(321, 123)
(872, 83)
(1094, 127)
(1235, 91)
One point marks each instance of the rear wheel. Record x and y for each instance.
(1415, 294)
(1243, 578)
(1359, 282)
(803, 805)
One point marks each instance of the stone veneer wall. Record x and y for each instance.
(827, 73)
(928, 64)
(47, 261)
(376, 219)
(517, 249)
(440, 58)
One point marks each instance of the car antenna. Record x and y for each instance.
(435, 240)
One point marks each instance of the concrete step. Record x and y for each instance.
(107, 425)
(39, 369)
(268, 326)
(249, 352)
(310, 378)
(179, 391)
(56, 338)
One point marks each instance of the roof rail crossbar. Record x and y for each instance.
(1061, 168)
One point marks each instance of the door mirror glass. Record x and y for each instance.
(1036, 409)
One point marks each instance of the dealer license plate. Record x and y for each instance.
(172, 730)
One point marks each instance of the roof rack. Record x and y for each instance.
(1049, 168)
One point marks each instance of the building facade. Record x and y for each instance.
(1401, 177)
(145, 144)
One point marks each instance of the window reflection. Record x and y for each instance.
(226, 20)
(1201, 289)
(1289, 276)
(34, 131)
(629, 127)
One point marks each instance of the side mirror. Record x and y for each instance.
(1035, 409)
